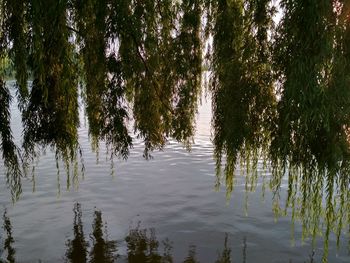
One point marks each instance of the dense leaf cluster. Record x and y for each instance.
(280, 91)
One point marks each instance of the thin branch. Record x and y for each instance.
(74, 30)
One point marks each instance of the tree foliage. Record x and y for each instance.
(279, 91)
(243, 95)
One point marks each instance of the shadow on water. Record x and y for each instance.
(142, 245)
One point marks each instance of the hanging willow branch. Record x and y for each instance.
(16, 13)
(243, 98)
(7, 146)
(51, 116)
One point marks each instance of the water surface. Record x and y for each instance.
(169, 201)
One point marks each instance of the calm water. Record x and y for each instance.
(156, 211)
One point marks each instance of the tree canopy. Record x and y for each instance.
(278, 76)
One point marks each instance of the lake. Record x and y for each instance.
(161, 210)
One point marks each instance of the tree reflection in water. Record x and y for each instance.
(77, 248)
(142, 245)
(191, 258)
(102, 250)
(9, 241)
(225, 256)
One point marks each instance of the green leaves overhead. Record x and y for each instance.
(242, 85)
(311, 133)
(304, 60)
(143, 55)
(51, 114)
(160, 53)
(15, 25)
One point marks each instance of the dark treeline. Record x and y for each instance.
(280, 91)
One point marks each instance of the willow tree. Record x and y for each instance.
(242, 86)
(143, 55)
(280, 92)
(311, 135)
(8, 148)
